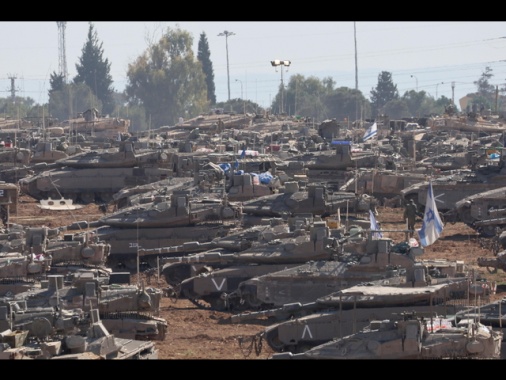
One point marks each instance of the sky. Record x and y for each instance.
(439, 57)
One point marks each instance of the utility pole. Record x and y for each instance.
(62, 56)
(356, 63)
(13, 87)
(226, 33)
(277, 63)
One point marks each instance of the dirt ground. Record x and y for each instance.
(200, 334)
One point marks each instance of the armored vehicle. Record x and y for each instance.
(232, 268)
(14, 157)
(451, 161)
(168, 220)
(383, 184)
(363, 261)
(132, 196)
(410, 336)
(315, 200)
(485, 211)
(127, 310)
(331, 166)
(302, 326)
(72, 336)
(9, 194)
(493, 263)
(96, 175)
(448, 190)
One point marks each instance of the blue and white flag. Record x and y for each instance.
(374, 226)
(432, 225)
(371, 132)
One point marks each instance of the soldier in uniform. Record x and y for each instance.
(410, 214)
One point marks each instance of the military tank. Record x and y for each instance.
(127, 310)
(315, 200)
(383, 184)
(331, 166)
(298, 327)
(228, 270)
(132, 196)
(485, 211)
(93, 176)
(166, 221)
(450, 189)
(410, 336)
(363, 261)
(14, 157)
(60, 335)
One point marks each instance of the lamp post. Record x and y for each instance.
(226, 33)
(414, 76)
(277, 63)
(437, 84)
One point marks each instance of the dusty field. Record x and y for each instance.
(199, 334)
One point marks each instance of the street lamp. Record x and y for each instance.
(413, 76)
(277, 63)
(226, 33)
(437, 84)
(240, 81)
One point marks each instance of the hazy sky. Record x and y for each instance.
(426, 56)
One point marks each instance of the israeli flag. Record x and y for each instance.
(374, 226)
(432, 225)
(371, 132)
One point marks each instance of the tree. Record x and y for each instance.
(56, 82)
(345, 103)
(484, 88)
(396, 109)
(240, 106)
(204, 56)
(94, 71)
(304, 96)
(71, 100)
(167, 80)
(384, 92)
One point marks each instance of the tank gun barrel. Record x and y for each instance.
(207, 257)
(195, 247)
(83, 224)
(188, 247)
(283, 312)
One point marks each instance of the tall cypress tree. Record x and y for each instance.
(94, 71)
(204, 56)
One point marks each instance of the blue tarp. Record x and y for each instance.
(226, 167)
(340, 142)
(265, 178)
